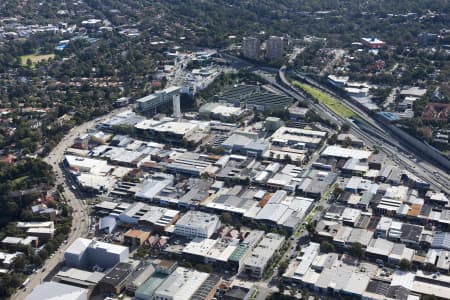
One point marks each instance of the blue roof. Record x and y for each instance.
(441, 240)
(389, 115)
(61, 47)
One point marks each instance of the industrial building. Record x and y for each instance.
(240, 144)
(285, 212)
(298, 138)
(197, 224)
(219, 111)
(85, 253)
(189, 163)
(114, 282)
(143, 214)
(54, 290)
(135, 237)
(181, 284)
(341, 152)
(153, 185)
(80, 278)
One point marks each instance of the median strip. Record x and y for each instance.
(337, 107)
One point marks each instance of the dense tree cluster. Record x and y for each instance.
(20, 184)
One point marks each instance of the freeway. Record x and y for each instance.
(373, 135)
(80, 223)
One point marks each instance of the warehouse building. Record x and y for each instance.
(55, 290)
(189, 164)
(80, 278)
(85, 253)
(297, 137)
(197, 224)
(115, 280)
(143, 214)
(181, 284)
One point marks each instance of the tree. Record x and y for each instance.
(282, 267)
(347, 142)
(326, 247)
(311, 227)
(405, 265)
(19, 263)
(141, 252)
(60, 188)
(345, 127)
(287, 159)
(186, 264)
(43, 254)
(357, 250)
(204, 268)
(226, 218)
(37, 260)
(337, 191)
(332, 139)
(280, 287)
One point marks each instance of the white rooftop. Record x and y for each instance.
(81, 244)
(57, 291)
(180, 128)
(341, 152)
(306, 259)
(181, 284)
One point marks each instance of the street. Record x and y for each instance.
(80, 223)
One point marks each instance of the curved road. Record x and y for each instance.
(397, 152)
(438, 178)
(80, 223)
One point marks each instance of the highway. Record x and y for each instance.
(80, 223)
(374, 136)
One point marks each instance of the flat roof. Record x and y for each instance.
(265, 250)
(181, 284)
(118, 274)
(54, 291)
(197, 219)
(80, 276)
(306, 258)
(148, 288)
(341, 152)
(109, 205)
(180, 128)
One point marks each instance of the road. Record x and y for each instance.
(80, 223)
(400, 154)
(373, 135)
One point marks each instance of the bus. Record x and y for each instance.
(24, 284)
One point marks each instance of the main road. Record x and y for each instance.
(80, 214)
(372, 134)
(375, 136)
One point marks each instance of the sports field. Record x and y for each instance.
(35, 58)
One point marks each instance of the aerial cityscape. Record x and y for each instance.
(224, 150)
